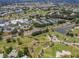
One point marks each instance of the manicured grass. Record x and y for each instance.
(65, 38)
(51, 52)
(43, 39)
(27, 42)
(75, 31)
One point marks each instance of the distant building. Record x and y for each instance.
(62, 53)
(76, 10)
(13, 54)
(18, 10)
(25, 56)
(1, 55)
(53, 38)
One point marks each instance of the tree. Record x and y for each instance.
(14, 31)
(8, 50)
(26, 52)
(1, 33)
(19, 41)
(70, 34)
(8, 40)
(61, 22)
(77, 56)
(0, 37)
(52, 44)
(21, 33)
(14, 40)
(20, 54)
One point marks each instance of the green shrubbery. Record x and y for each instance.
(39, 32)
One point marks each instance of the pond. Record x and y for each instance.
(64, 29)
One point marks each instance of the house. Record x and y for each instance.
(44, 21)
(37, 21)
(25, 56)
(76, 10)
(51, 21)
(76, 27)
(18, 10)
(13, 21)
(1, 55)
(34, 19)
(53, 38)
(3, 13)
(19, 21)
(9, 26)
(7, 23)
(72, 14)
(2, 25)
(62, 53)
(7, 29)
(13, 54)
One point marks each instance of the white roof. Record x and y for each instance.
(25, 56)
(34, 19)
(58, 53)
(13, 22)
(62, 53)
(7, 23)
(19, 10)
(1, 55)
(77, 27)
(76, 10)
(13, 53)
(19, 20)
(2, 25)
(66, 52)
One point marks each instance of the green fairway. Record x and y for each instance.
(40, 42)
(51, 52)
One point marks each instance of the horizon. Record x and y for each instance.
(39, 1)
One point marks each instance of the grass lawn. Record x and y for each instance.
(63, 37)
(75, 31)
(43, 42)
(51, 52)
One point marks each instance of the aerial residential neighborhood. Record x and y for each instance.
(39, 30)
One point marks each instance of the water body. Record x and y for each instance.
(64, 29)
